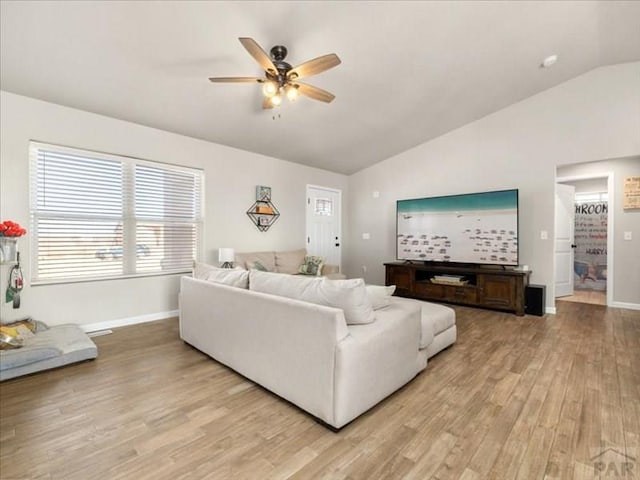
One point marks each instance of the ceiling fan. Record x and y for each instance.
(280, 77)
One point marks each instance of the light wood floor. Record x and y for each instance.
(595, 297)
(516, 397)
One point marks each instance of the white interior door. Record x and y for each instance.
(324, 218)
(564, 230)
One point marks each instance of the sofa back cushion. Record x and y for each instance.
(348, 295)
(290, 261)
(227, 276)
(256, 260)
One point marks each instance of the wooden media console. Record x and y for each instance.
(483, 286)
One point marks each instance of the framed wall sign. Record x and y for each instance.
(631, 192)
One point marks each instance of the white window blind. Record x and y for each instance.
(98, 216)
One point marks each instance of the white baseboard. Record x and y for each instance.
(628, 306)
(152, 317)
(551, 310)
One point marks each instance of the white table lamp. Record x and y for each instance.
(226, 256)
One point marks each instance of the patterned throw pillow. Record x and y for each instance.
(256, 265)
(311, 265)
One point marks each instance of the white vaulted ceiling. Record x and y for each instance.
(410, 71)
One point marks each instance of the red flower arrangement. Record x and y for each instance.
(11, 229)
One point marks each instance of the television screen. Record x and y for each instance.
(471, 228)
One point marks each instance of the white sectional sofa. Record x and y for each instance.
(306, 352)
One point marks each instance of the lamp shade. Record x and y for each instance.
(226, 255)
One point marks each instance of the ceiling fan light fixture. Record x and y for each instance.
(269, 89)
(276, 100)
(291, 92)
(280, 78)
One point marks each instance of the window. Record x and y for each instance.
(96, 216)
(324, 206)
(591, 197)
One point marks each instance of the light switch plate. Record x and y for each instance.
(544, 235)
(376, 194)
(366, 236)
(628, 236)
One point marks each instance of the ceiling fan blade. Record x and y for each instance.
(314, 67)
(236, 80)
(315, 92)
(259, 54)
(266, 103)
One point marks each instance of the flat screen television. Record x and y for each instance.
(477, 228)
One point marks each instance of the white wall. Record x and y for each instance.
(594, 116)
(231, 177)
(591, 185)
(626, 253)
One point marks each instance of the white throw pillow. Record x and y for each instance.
(201, 270)
(348, 295)
(380, 296)
(233, 277)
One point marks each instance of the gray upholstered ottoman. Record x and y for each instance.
(55, 347)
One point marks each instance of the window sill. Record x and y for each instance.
(103, 279)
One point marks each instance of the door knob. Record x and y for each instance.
(574, 245)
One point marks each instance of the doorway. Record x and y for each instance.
(592, 240)
(324, 224)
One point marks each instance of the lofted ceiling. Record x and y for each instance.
(410, 71)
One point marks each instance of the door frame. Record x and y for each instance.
(610, 217)
(306, 216)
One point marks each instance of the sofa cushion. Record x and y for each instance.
(380, 296)
(232, 277)
(311, 265)
(442, 317)
(348, 295)
(290, 261)
(247, 260)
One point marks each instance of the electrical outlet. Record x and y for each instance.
(366, 236)
(364, 269)
(628, 236)
(376, 194)
(544, 235)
